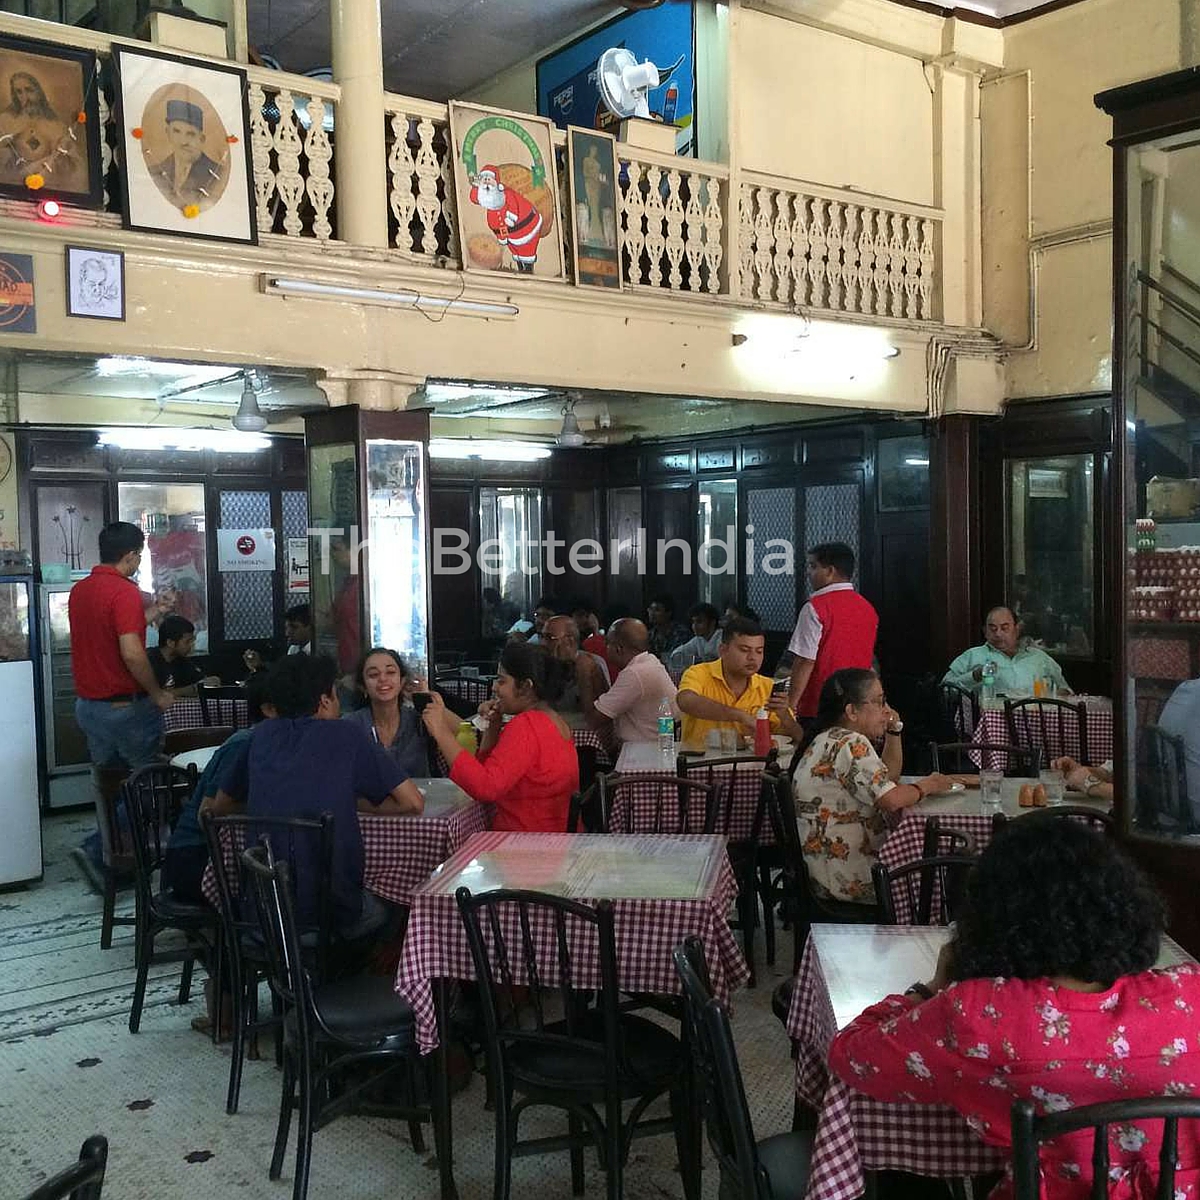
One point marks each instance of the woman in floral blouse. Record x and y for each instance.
(843, 788)
(1056, 1001)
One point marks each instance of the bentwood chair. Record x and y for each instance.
(1094, 818)
(1030, 1131)
(773, 1169)
(906, 893)
(1163, 802)
(654, 802)
(938, 840)
(344, 1042)
(116, 853)
(1057, 726)
(83, 1180)
(180, 741)
(563, 1046)
(220, 705)
(153, 797)
(958, 712)
(963, 758)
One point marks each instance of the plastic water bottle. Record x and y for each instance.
(989, 680)
(666, 729)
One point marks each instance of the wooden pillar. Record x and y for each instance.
(955, 552)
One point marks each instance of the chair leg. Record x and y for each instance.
(304, 1133)
(505, 1136)
(287, 1097)
(747, 904)
(614, 1136)
(685, 1122)
(417, 1136)
(768, 911)
(575, 1129)
(237, 1041)
(106, 916)
(185, 979)
(145, 952)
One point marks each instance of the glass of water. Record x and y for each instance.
(1054, 784)
(991, 784)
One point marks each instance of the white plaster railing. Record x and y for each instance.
(804, 246)
(420, 180)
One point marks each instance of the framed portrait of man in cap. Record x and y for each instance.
(185, 154)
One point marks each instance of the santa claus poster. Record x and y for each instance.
(506, 187)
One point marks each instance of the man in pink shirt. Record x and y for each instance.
(629, 709)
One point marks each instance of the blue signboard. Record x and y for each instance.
(566, 80)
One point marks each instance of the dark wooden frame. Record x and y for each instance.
(119, 255)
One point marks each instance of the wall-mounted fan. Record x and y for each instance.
(625, 83)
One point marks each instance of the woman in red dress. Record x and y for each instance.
(1047, 992)
(528, 767)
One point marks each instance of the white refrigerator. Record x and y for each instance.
(20, 809)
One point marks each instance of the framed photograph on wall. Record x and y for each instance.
(95, 283)
(595, 207)
(185, 147)
(49, 123)
(507, 188)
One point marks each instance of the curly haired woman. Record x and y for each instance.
(1054, 999)
(843, 788)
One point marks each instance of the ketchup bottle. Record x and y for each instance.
(762, 733)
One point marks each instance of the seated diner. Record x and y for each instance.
(527, 767)
(388, 716)
(171, 660)
(629, 709)
(705, 642)
(1010, 658)
(588, 673)
(1046, 992)
(845, 789)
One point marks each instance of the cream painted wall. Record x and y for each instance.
(819, 106)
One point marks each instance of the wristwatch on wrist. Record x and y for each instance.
(1090, 782)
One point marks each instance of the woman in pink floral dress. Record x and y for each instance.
(1048, 993)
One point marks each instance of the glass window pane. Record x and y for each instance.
(171, 515)
(332, 565)
(1050, 569)
(510, 537)
(249, 596)
(717, 525)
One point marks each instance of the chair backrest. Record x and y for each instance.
(654, 802)
(722, 776)
(958, 712)
(1058, 726)
(1162, 786)
(587, 806)
(1094, 818)
(463, 694)
(219, 705)
(939, 840)
(906, 893)
(296, 842)
(963, 758)
(1029, 1131)
(154, 796)
(180, 741)
(83, 1180)
(723, 1094)
(525, 947)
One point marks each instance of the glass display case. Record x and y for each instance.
(369, 555)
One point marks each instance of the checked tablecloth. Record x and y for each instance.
(185, 714)
(857, 1134)
(657, 902)
(992, 730)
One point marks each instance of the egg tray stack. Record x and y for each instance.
(1164, 585)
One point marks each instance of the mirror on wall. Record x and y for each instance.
(510, 557)
(717, 521)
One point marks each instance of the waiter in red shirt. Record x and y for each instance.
(119, 704)
(835, 629)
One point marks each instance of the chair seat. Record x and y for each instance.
(653, 1056)
(781, 999)
(786, 1158)
(182, 912)
(365, 1011)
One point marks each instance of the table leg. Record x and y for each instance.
(443, 1132)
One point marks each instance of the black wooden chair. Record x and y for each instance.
(180, 741)
(219, 705)
(958, 712)
(83, 1180)
(244, 961)
(773, 1169)
(1057, 726)
(153, 797)
(116, 852)
(938, 840)
(1030, 1131)
(918, 884)
(1163, 802)
(675, 804)
(565, 1046)
(333, 1033)
(955, 758)
(1094, 818)
(586, 808)
(463, 694)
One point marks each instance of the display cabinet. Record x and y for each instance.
(369, 534)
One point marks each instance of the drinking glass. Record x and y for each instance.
(1039, 687)
(991, 787)
(715, 739)
(1054, 784)
(729, 740)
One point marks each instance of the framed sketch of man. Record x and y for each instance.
(595, 208)
(184, 145)
(95, 283)
(49, 123)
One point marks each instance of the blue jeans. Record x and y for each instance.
(121, 734)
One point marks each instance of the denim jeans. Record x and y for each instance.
(121, 734)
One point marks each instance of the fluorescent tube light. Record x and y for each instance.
(135, 437)
(279, 286)
(916, 462)
(495, 451)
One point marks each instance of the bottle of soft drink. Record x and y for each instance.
(666, 728)
(762, 733)
(671, 104)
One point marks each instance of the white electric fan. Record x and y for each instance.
(625, 83)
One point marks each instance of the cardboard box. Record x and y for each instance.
(1173, 498)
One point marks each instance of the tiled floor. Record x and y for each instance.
(70, 1068)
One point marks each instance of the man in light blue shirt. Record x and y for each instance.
(1018, 663)
(1181, 718)
(704, 646)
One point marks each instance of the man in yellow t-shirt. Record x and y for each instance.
(729, 692)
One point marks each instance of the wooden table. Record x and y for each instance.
(845, 969)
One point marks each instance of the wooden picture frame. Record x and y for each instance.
(506, 192)
(95, 283)
(184, 146)
(50, 125)
(592, 175)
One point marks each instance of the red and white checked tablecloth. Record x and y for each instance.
(400, 852)
(991, 728)
(747, 787)
(435, 946)
(185, 714)
(856, 1133)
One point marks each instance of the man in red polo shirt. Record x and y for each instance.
(835, 629)
(119, 704)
